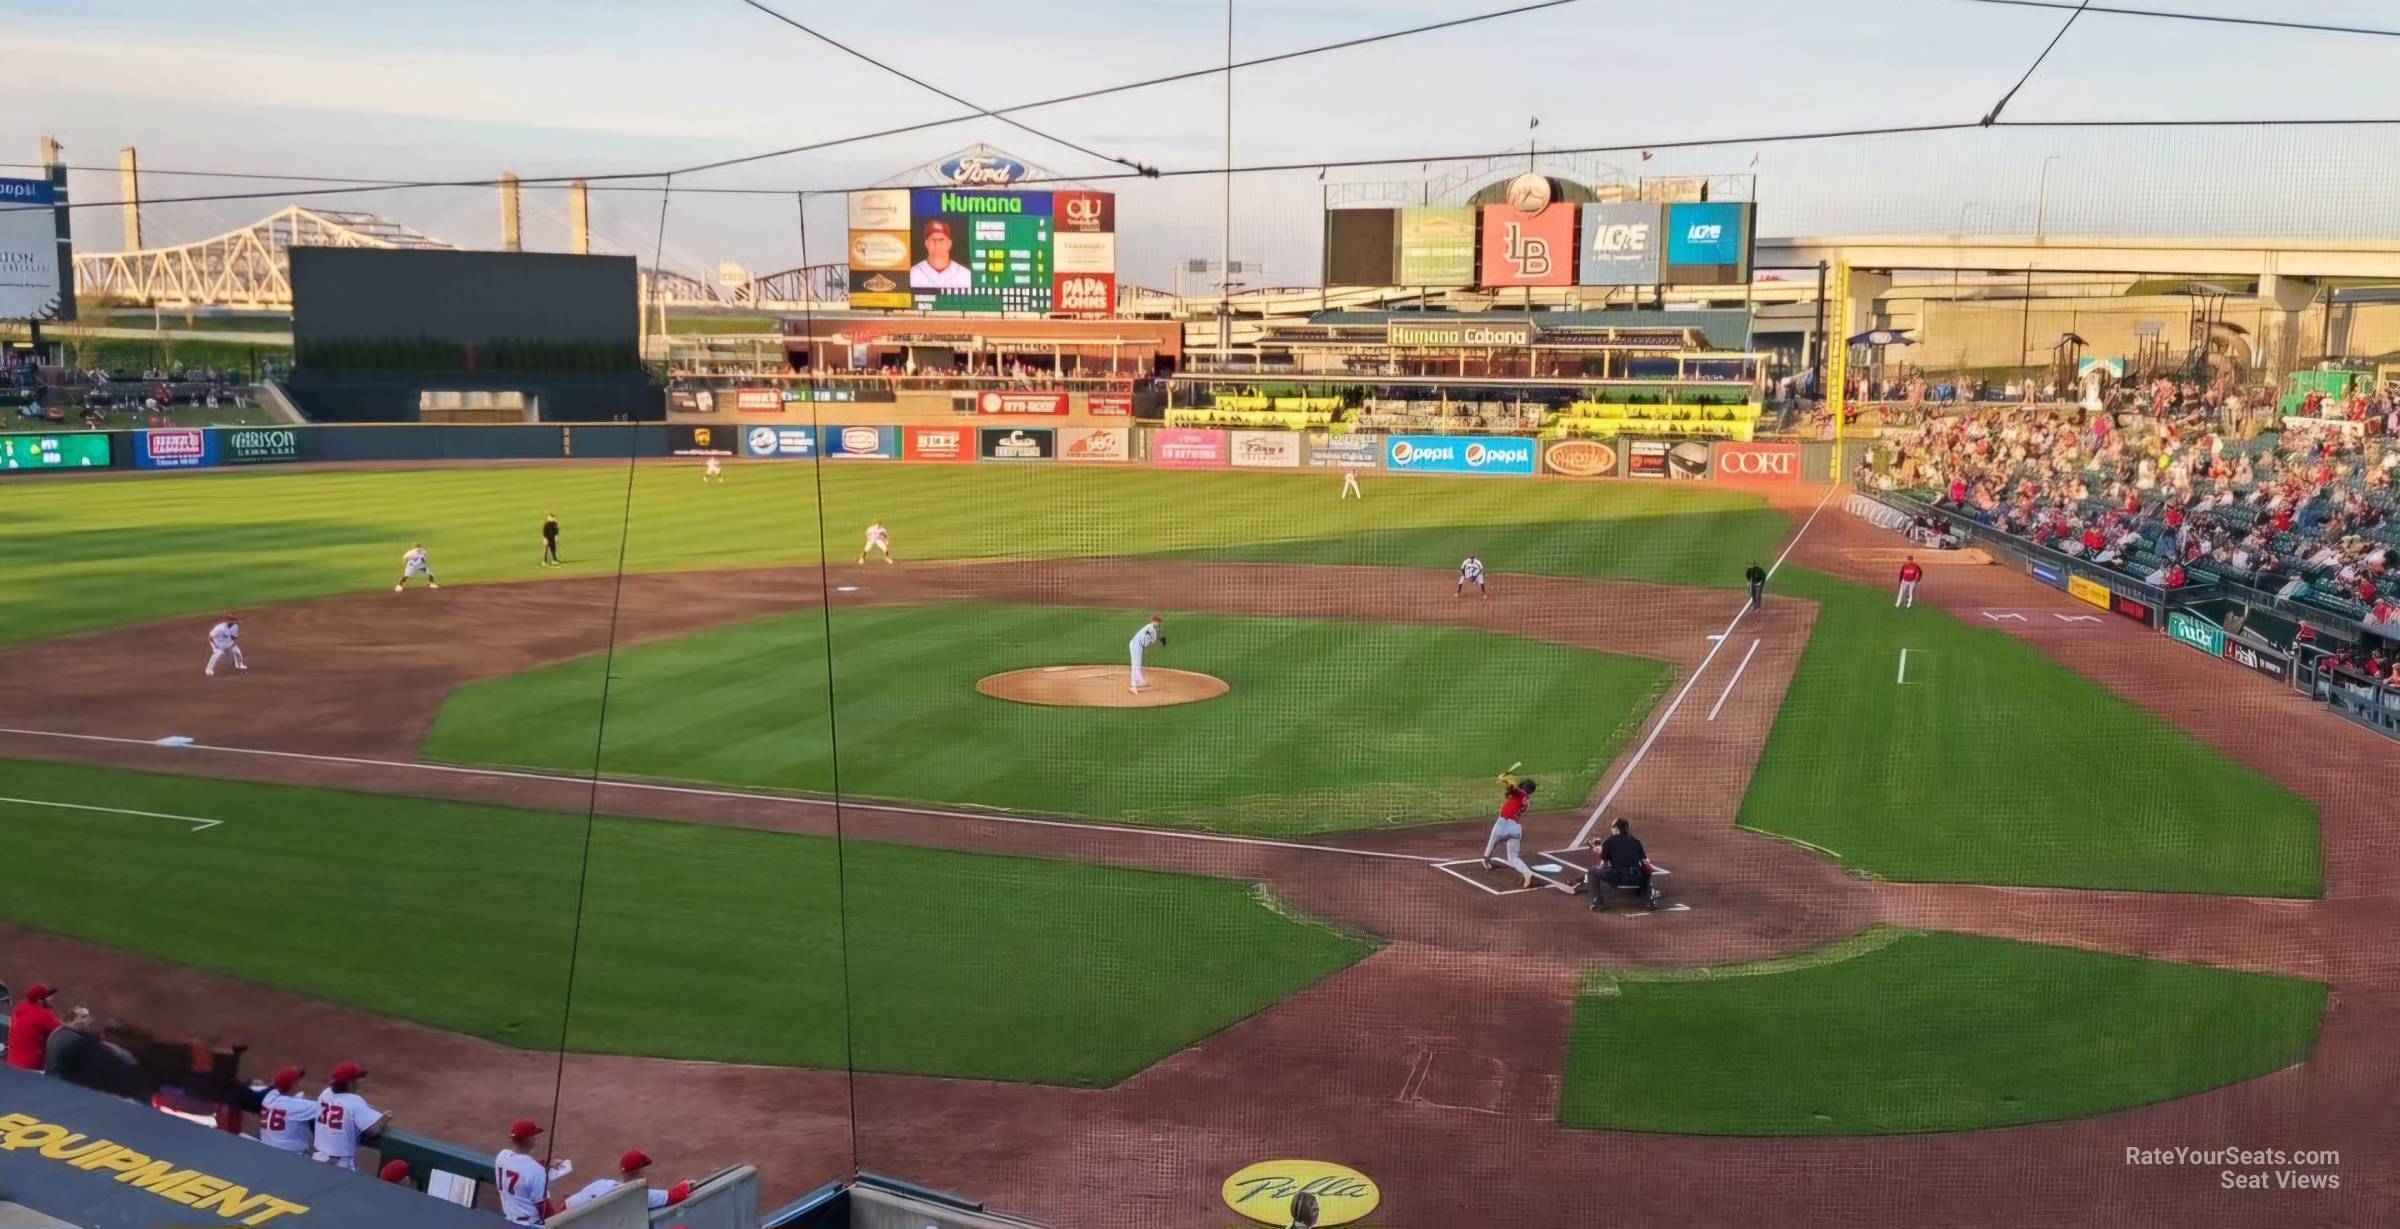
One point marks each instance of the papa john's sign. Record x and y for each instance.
(1756, 462)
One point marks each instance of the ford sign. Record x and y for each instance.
(981, 171)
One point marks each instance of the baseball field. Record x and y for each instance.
(713, 815)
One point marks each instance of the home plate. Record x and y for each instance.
(845, 588)
(174, 740)
(1548, 868)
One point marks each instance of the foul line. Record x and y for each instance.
(700, 792)
(1903, 677)
(198, 824)
(1584, 835)
(1731, 683)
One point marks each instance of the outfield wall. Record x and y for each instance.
(975, 439)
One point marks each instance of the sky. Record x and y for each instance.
(451, 89)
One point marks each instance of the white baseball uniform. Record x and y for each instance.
(224, 640)
(342, 1117)
(714, 471)
(1140, 644)
(878, 539)
(523, 1184)
(413, 562)
(1470, 571)
(1350, 485)
(287, 1123)
(655, 1197)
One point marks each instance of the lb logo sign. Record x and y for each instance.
(1264, 1192)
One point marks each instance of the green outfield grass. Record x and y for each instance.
(1903, 1032)
(1994, 764)
(700, 943)
(1329, 725)
(97, 551)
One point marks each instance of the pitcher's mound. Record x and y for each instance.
(1101, 687)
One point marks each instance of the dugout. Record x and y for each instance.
(94, 1161)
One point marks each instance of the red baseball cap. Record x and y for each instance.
(395, 1171)
(346, 1072)
(633, 1160)
(525, 1128)
(38, 992)
(286, 1079)
(937, 228)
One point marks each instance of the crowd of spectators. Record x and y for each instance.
(152, 396)
(80, 1049)
(2307, 513)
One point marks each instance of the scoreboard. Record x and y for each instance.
(74, 450)
(983, 250)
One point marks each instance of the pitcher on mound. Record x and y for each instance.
(1508, 833)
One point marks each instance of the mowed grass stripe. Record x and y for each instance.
(698, 942)
(1925, 1032)
(1328, 725)
(120, 549)
(1994, 764)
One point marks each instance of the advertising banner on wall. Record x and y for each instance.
(2047, 572)
(2265, 661)
(1016, 443)
(780, 443)
(689, 441)
(1733, 462)
(1708, 243)
(1095, 443)
(258, 446)
(861, 443)
(2196, 632)
(73, 450)
(1687, 460)
(1453, 454)
(879, 249)
(1620, 245)
(1109, 405)
(1354, 451)
(1265, 449)
(1580, 458)
(1187, 448)
(1084, 296)
(1085, 213)
(2090, 592)
(185, 448)
(1646, 458)
(1528, 249)
(30, 268)
(944, 445)
(1020, 403)
(758, 400)
(1437, 246)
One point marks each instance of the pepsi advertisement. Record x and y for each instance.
(1458, 454)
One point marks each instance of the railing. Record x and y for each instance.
(2373, 703)
(2157, 597)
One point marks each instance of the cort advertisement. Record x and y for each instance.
(1756, 462)
(1095, 444)
(780, 443)
(862, 443)
(1452, 454)
(1266, 449)
(1580, 458)
(1187, 448)
(941, 445)
(187, 448)
(1326, 451)
(1017, 443)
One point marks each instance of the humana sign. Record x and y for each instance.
(1509, 333)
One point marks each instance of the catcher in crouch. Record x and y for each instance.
(1508, 834)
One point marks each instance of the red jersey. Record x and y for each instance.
(1513, 805)
(1910, 572)
(29, 1034)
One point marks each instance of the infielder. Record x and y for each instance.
(287, 1122)
(1350, 485)
(344, 1118)
(1508, 833)
(1152, 633)
(225, 640)
(414, 563)
(1470, 572)
(714, 471)
(521, 1180)
(878, 539)
(550, 540)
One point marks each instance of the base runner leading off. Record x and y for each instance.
(1508, 833)
(1152, 633)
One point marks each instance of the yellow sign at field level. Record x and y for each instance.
(1263, 1192)
(2089, 590)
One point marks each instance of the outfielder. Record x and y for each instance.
(225, 640)
(878, 539)
(1350, 485)
(344, 1118)
(1152, 633)
(1508, 834)
(414, 563)
(714, 471)
(1910, 574)
(1470, 572)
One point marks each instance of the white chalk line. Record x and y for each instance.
(198, 824)
(1902, 679)
(1735, 681)
(1659, 727)
(1450, 869)
(703, 792)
